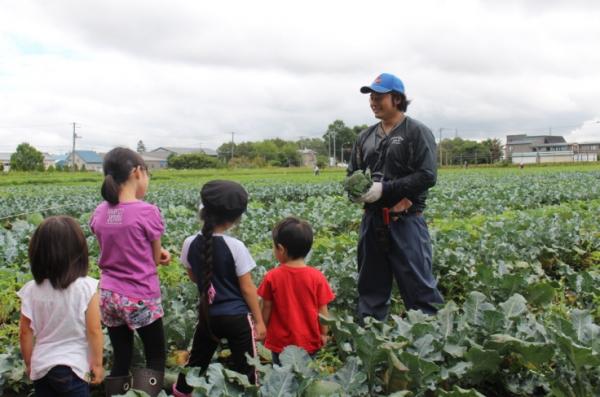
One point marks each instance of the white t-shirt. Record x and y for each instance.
(58, 324)
(241, 256)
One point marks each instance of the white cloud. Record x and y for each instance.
(189, 73)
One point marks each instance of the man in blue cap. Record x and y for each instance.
(394, 240)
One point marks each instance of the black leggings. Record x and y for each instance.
(153, 339)
(239, 332)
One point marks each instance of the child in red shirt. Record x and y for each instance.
(293, 294)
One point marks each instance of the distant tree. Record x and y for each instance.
(289, 156)
(494, 147)
(27, 158)
(317, 144)
(322, 161)
(457, 151)
(192, 161)
(83, 168)
(344, 136)
(141, 148)
(267, 150)
(50, 168)
(357, 129)
(224, 151)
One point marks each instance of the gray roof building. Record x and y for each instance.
(165, 151)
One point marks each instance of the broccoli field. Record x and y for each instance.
(516, 255)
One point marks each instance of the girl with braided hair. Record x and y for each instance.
(220, 265)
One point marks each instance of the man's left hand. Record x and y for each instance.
(373, 194)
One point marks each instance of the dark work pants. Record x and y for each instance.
(61, 381)
(153, 339)
(239, 332)
(407, 258)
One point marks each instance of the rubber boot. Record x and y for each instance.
(177, 393)
(114, 385)
(148, 380)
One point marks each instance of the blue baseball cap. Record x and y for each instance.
(384, 83)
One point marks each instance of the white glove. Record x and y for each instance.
(373, 194)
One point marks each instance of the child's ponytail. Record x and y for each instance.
(206, 277)
(110, 190)
(117, 166)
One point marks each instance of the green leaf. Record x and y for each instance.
(585, 329)
(578, 355)
(238, 379)
(540, 294)
(493, 320)
(371, 353)
(445, 318)
(474, 305)
(35, 219)
(351, 376)
(483, 360)
(531, 352)
(134, 393)
(459, 392)
(298, 359)
(396, 375)
(217, 384)
(193, 377)
(281, 382)
(420, 371)
(511, 283)
(454, 350)
(458, 370)
(423, 346)
(320, 388)
(514, 306)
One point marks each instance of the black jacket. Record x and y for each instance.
(405, 159)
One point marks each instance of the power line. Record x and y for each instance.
(32, 126)
(39, 210)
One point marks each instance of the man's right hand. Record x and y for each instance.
(401, 206)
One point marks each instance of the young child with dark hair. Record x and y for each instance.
(220, 265)
(129, 231)
(59, 329)
(294, 294)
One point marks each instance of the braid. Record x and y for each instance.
(207, 271)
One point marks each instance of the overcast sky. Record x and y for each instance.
(188, 73)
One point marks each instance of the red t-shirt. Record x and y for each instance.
(296, 293)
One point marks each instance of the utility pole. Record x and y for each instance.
(232, 133)
(440, 146)
(334, 162)
(303, 141)
(329, 148)
(75, 136)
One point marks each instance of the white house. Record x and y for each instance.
(5, 161)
